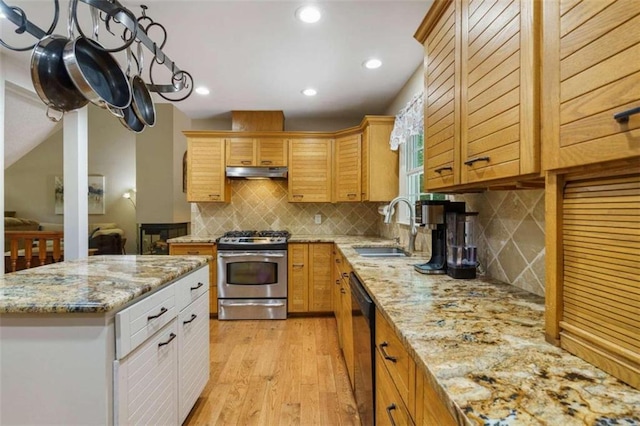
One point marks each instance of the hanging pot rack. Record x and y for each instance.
(116, 11)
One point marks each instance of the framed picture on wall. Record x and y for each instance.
(95, 194)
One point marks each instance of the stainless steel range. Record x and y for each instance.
(252, 275)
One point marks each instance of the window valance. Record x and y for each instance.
(409, 122)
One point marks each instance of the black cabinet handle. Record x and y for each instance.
(197, 287)
(171, 337)
(385, 354)
(337, 282)
(390, 408)
(246, 162)
(475, 160)
(342, 290)
(163, 311)
(345, 275)
(189, 321)
(623, 117)
(442, 169)
(266, 162)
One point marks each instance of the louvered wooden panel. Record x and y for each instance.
(240, 152)
(205, 170)
(321, 279)
(348, 159)
(593, 48)
(441, 105)
(310, 170)
(271, 152)
(601, 285)
(491, 112)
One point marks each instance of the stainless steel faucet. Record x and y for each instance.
(412, 220)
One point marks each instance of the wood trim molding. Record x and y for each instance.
(437, 9)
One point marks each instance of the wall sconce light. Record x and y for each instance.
(130, 195)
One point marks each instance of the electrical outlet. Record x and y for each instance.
(318, 219)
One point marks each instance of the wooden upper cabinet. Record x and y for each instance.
(206, 180)
(271, 152)
(348, 164)
(379, 163)
(591, 73)
(481, 78)
(268, 152)
(240, 152)
(499, 109)
(442, 106)
(310, 170)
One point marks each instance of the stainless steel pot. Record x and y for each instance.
(51, 79)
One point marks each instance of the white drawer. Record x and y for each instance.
(193, 345)
(146, 385)
(140, 321)
(191, 286)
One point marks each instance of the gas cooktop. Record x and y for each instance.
(253, 239)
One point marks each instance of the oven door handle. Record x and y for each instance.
(268, 305)
(245, 254)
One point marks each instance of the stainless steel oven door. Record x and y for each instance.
(252, 274)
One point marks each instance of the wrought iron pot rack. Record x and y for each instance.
(135, 28)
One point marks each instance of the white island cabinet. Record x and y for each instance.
(104, 360)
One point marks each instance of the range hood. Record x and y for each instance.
(257, 172)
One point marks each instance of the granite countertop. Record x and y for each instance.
(96, 284)
(481, 344)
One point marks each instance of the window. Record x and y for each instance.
(411, 173)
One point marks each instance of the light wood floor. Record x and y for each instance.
(287, 372)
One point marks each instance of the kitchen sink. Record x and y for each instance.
(381, 252)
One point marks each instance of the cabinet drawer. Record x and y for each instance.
(191, 249)
(192, 286)
(193, 344)
(146, 383)
(394, 357)
(138, 322)
(390, 407)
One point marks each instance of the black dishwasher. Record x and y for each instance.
(363, 316)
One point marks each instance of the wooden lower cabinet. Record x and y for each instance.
(430, 410)
(201, 249)
(390, 406)
(310, 277)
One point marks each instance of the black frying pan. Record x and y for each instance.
(51, 79)
(142, 102)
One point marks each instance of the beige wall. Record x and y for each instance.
(159, 153)
(262, 204)
(29, 183)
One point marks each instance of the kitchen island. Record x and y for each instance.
(73, 335)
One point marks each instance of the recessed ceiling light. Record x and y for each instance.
(202, 90)
(308, 14)
(309, 92)
(372, 63)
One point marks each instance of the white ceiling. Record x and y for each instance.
(255, 55)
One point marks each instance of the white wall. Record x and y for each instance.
(414, 85)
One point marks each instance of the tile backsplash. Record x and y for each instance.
(510, 238)
(263, 204)
(510, 242)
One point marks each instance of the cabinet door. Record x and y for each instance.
(499, 96)
(147, 381)
(347, 330)
(206, 180)
(337, 296)
(390, 407)
(430, 410)
(193, 353)
(380, 167)
(310, 170)
(298, 280)
(321, 277)
(271, 152)
(442, 106)
(591, 73)
(348, 158)
(241, 152)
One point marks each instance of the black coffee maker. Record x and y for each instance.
(433, 215)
